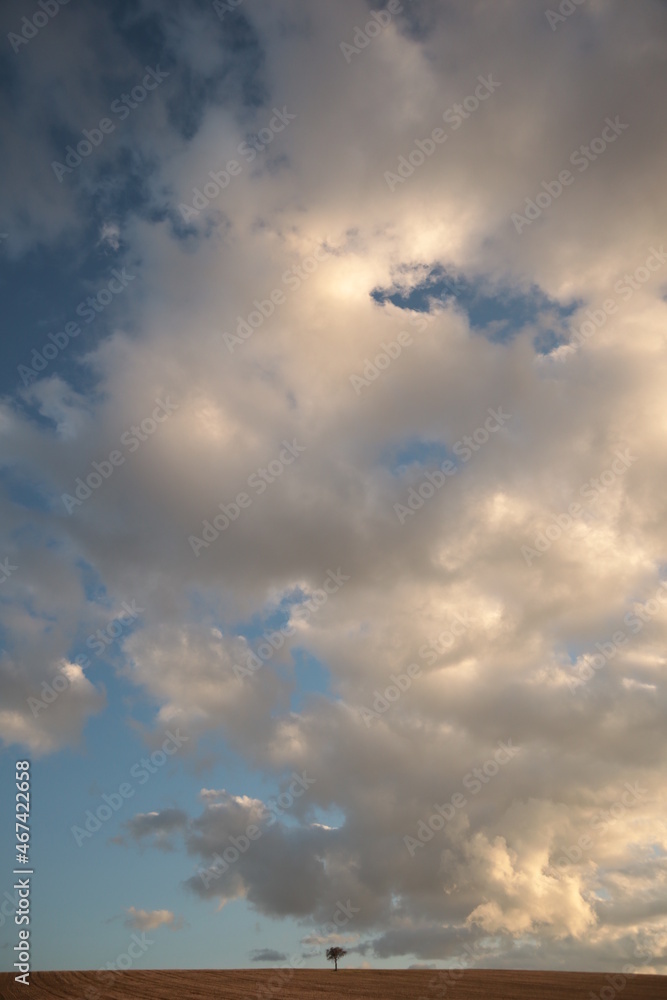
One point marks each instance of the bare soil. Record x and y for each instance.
(352, 984)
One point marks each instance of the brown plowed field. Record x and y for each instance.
(286, 984)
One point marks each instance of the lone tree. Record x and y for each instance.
(333, 954)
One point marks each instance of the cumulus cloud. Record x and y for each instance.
(157, 827)
(313, 217)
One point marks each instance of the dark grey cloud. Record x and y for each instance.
(267, 955)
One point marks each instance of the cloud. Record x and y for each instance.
(150, 920)
(575, 402)
(267, 955)
(159, 826)
(110, 235)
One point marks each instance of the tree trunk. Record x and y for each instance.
(335, 965)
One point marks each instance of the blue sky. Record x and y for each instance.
(297, 467)
(499, 313)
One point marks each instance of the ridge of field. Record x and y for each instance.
(350, 984)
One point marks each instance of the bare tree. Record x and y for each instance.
(333, 954)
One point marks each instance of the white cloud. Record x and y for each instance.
(150, 920)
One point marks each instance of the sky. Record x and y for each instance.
(333, 566)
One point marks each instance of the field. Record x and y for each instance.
(354, 984)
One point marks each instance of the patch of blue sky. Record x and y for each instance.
(233, 73)
(307, 674)
(412, 456)
(6, 643)
(270, 618)
(24, 492)
(64, 787)
(331, 816)
(499, 312)
(92, 584)
(312, 677)
(38, 321)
